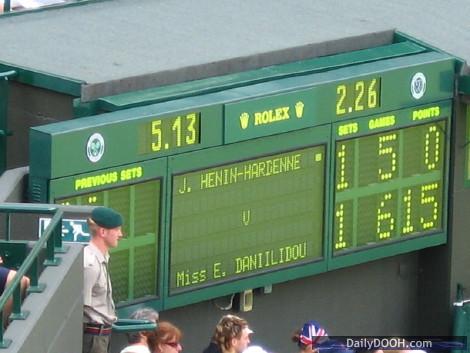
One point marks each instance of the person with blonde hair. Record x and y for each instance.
(231, 335)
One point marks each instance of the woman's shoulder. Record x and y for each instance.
(212, 348)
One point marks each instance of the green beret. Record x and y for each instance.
(106, 217)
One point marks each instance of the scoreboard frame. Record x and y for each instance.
(245, 123)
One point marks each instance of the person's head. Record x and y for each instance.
(168, 338)
(309, 336)
(105, 227)
(148, 337)
(232, 334)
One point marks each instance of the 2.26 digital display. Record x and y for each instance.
(358, 96)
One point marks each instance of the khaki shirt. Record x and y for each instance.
(97, 292)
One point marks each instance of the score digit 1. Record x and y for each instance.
(343, 161)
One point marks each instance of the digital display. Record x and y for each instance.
(133, 267)
(358, 96)
(165, 134)
(260, 181)
(247, 218)
(389, 186)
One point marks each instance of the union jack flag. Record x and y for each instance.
(312, 333)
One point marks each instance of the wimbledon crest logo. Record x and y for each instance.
(95, 147)
(418, 85)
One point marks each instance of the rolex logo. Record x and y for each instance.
(244, 118)
(299, 109)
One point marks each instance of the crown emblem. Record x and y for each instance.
(299, 109)
(244, 119)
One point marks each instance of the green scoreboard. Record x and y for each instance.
(266, 182)
(244, 218)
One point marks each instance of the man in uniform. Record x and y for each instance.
(98, 311)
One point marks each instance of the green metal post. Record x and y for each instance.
(59, 248)
(33, 274)
(4, 343)
(51, 260)
(461, 319)
(17, 314)
(6, 6)
(8, 226)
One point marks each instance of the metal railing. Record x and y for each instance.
(51, 240)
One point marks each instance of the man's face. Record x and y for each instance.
(240, 344)
(112, 237)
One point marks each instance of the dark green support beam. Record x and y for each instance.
(464, 85)
(4, 133)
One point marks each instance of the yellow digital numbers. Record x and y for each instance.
(388, 155)
(157, 135)
(183, 131)
(425, 198)
(385, 218)
(389, 185)
(170, 133)
(357, 96)
(340, 239)
(432, 147)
